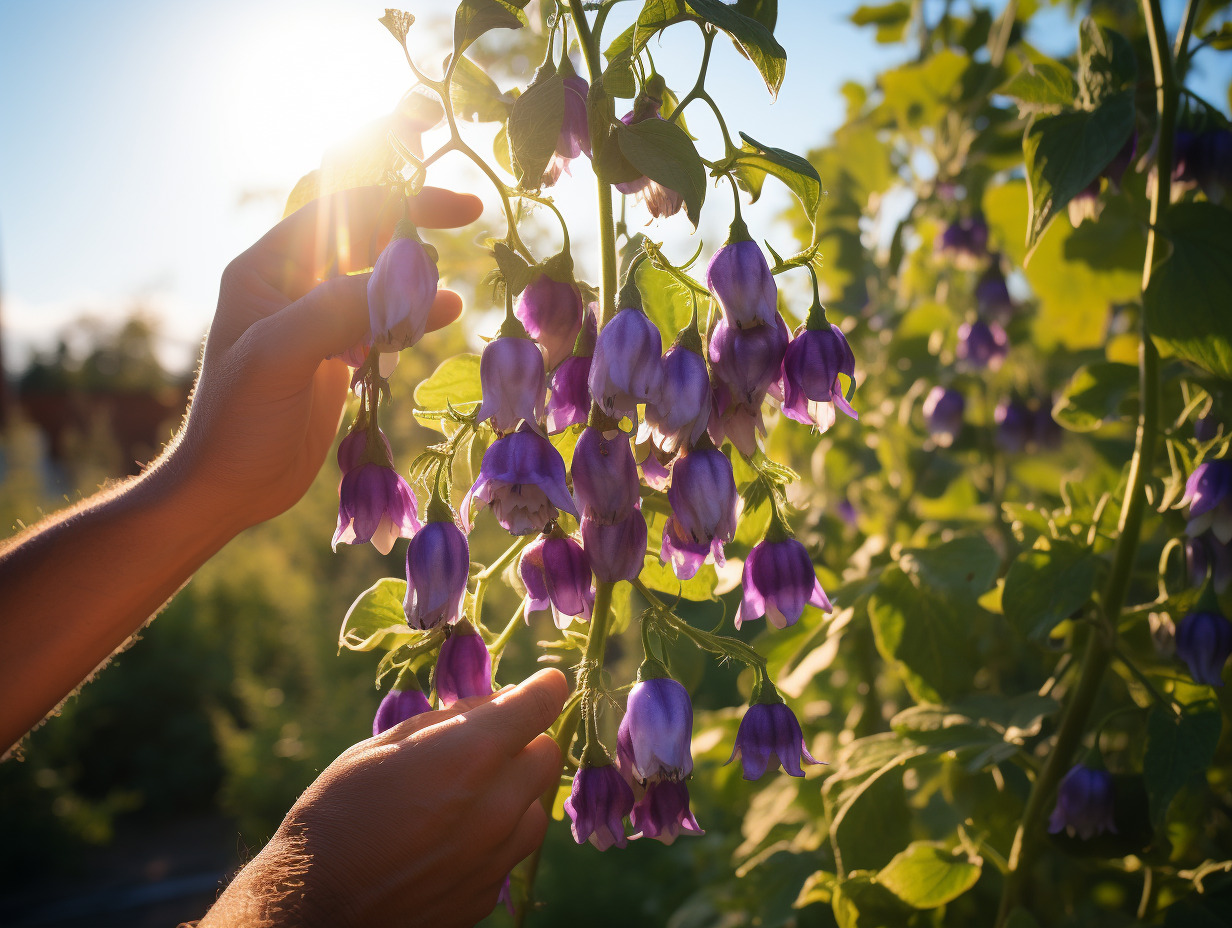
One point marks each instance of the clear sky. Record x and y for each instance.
(143, 144)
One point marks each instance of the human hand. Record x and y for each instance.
(417, 826)
(267, 405)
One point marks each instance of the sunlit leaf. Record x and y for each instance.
(534, 128)
(1043, 84)
(1095, 395)
(926, 875)
(376, 618)
(755, 160)
(663, 152)
(891, 19)
(475, 17)
(1044, 587)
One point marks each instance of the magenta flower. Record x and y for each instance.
(522, 480)
(569, 401)
(375, 504)
(982, 345)
(1084, 804)
(464, 667)
(514, 383)
(401, 291)
(769, 733)
(354, 445)
(663, 812)
(1203, 642)
(748, 361)
(605, 482)
(678, 418)
(396, 707)
(574, 128)
(811, 367)
(551, 310)
(556, 573)
(625, 369)
(1208, 491)
(740, 280)
(598, 805)
(703, 500)
(655, 734)
(616, 551)
(438, 563)
(943, 414)
(778, 581)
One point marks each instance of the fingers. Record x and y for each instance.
(515, 716)
(404, 730)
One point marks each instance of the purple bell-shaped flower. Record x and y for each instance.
(1209, 494)
(740, 279)
(748, 361)
(401, 290)
(661, 201)
(598, 804)
(617, 551)
(551, 311)
(375, 504)
(982, 345)
(438, 562)
(703, 499)
(992, 295)
(464, 667)
(605, 481)
(1015, 425)
(1084, 803)
(522, 480)
(556, 573)
(626, 368)
(965, 242)
(655, 734)
(778, 582)
(1203, 642)
(514, 383)
(943, 414)
(1207, 555)
(769, 735)
(663, 812)
(397, 706)
(680, 415)
(574, 138)
(811, 367)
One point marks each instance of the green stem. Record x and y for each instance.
(497, 647)
(699, 86)
(484, 577)
(1102, 643)
(722, 645)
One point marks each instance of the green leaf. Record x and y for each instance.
(891, 19)
(765, 12)
(1187, 300)
(871, 817)
(362, 161)
(963, 568)
(475, 96)
(755, 160)
(926, 875)
(618, 75)
(665, 300)
(1106, 64)
(924, 634)
(398, 23)
(919, 94)
(1066, 152)
(1045, 587)
(1095, 396)
(1041, 85)
(455, 381)
(664, 152)
(513, 267)
(659, 576)
(534, 128)
(475, 17)
(1177, 751)
(1221, 40)
(376, 619)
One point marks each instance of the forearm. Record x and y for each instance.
(78, 585)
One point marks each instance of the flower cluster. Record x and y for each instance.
(1204, 636)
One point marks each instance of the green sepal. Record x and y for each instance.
(652, 669)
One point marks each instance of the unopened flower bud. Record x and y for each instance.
(396, 707)
(741, 282)
(605, 481)
(616, 551)
(551, 310)
(626, 369)
(464, 667)
(437, 566)
(514, 383)
(401, 291)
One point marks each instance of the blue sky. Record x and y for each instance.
(143, 144)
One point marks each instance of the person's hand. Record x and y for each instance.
(267, 405)
(416, 827)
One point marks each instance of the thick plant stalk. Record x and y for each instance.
(1102, 643)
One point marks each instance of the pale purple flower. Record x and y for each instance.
(678, 418)
(353, 446)
(626, 369)
(616, 551)
(375, 504)
(741, 282)
(598, 805)
(1084, 804)
(661, 201)
(522, 480)
(569, 401)
(663, 812)
(811, 367)
(464, 667)
(982, 345)
(396, 707)
(551, 311)
(738, 422)
(703, 500)
(514, 383)
(401, 291)
(574, 130)
(438, 562)
(556, 573)
(605, 481)
(943, 414)
(1208, 491)
(653, 741)
(778, 582)
(748, 361)
(769, 735)
(1203, 642)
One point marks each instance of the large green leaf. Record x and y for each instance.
(475, 17)
(1066, 152)
(964, 567)
(455, 381)
(919, 94)
(926, 875)
(376, 619)
(755, 160)
(665, 300)
(891, 19)
(664, 152)
(1187, 302)
(1044, 587)
(475, 96)
(1177, 751)
(1106, 64)
(1095, 395)
(1044, 84)
(534, 128)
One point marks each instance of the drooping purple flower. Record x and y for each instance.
(661, 201)
(1203, 642)
(1084, 804)
(438, 561)
(396, 707)
(616, 551)
(1209, 494)
(740, 279)
(983, 345)
(464, 667)
(748, 361)
(401, 291)
(663, 812)
(778, 581)
(1015, 425)
(514, 383)
(375, 504)
(740, 423)
(605, 482)
(1204, 159)
(965, 242)
(353, 446)
(556, 573)
(653, 741)
(569, 401)
(811, 367)
(626, 368)
(992, 295)
(598, 805)
(769, 733)
(680, 415)
(703, 500)
(551, 311)
(522, 480)
(943, 414)
(1207, 555)
(574, 135)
